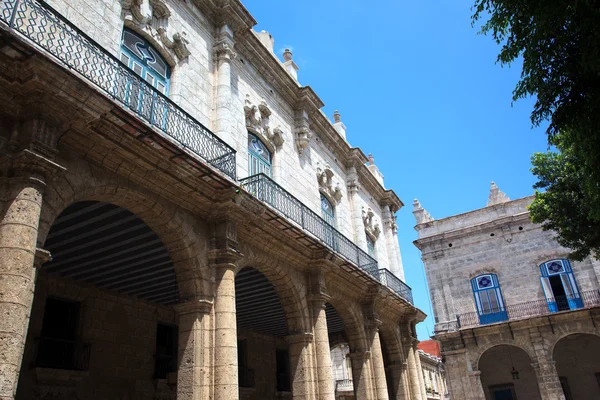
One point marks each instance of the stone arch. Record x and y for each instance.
(351, 316)
(569, 330)
(170, 223)
(577, 365)
(482, 349)
(295, 308)
(499, 365)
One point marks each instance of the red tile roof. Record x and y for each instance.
(430, 347)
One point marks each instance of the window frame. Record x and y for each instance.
(491, 313)
(571, 288)
(257, 163)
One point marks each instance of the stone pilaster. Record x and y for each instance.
(224, 54)
(361, 376)
(27, 163)
(388, 231)
(223, 257)
(303, 385)
(545, 370)
(192, 382)
(476, 386)
(356, 211)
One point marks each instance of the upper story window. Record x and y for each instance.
(327, 210)
(488, 299)
(370, 246)
(560, 287)
(145, 61)
(259, 157)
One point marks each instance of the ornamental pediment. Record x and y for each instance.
(325, 176)
(257, 121)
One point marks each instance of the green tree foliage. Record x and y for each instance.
(559, 42)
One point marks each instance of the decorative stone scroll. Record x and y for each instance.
(153, 17)
(325, 178)
(257, 120)
(372, 227)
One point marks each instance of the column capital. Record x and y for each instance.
(203, 306)
(224, 43)
(303, 337)
(32, 167)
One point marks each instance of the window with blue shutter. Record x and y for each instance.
(370, 246)
(560, 287)
(488, 299)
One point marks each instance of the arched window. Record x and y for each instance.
(560, 287)
(370, 246)
(488, 299)
(327, 210)
(145, 61)
(259, 157)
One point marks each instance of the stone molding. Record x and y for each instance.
(302, 131)
(152, 17)
(257, 121)
(203, 306)
(223, 46)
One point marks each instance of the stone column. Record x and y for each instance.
(400, 389)
(28, 172)
(323, 352)
(303, 386)
(223, 257)
(398, 255)
(419, 370)
(413, 373)
(476, 386)
(548, 380)
(192, 381)
(353, 187)
(378, 367)
(224, 54)
(545, 369)
(360, 375)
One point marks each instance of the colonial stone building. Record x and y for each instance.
(180, 220)
(433, 370)
(516, 318)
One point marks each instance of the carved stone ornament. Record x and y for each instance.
(325, 178)
(371, 226)
(420, 214)
(257, 121)
(302, 130)
(153, 17)
(496, 196)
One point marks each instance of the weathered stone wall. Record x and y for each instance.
(122, 334)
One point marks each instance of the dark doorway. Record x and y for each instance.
(559, 293)
(503, 392)
(166, 351)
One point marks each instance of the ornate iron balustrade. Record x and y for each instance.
(62, 354)
(266, 190)
(390, 280)
(44, 26)
(533, 308)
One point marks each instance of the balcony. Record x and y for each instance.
(74, 50)
(266, 190)
(344, 385)
(530, 309)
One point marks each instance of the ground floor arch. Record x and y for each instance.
(507, 374)
(577, 360)
(102, 322)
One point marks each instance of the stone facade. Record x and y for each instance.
(134, 264)
(434, 373)
(506, 299)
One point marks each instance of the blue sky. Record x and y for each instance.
(419, 89)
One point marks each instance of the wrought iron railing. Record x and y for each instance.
(534, 308)
(390, 280)
(266, 190)
(62, 354)
(44, 26)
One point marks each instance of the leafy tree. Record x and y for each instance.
(559, 42)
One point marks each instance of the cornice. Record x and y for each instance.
(470, 230)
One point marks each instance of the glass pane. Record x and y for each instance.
(160, 86)
(257, 147)
(484, 281)
(493, 301)
(125, 59)
(485, 302)
(150, 79)
(157, 63)
(137, 68)
(555, 267)
(130, 41)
